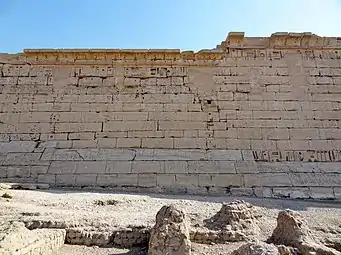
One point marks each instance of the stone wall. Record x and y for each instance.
(254, 116)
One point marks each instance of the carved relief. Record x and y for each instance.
(300, 156)
(154, 72)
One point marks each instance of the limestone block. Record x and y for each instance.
(130, 125)
(40, 71)
(146, 134)
(47, 179)
(94, 71)
(132, 82)
(62, 167)
(181, 125)
(146, 180)
(148, 167)
(126, 180)
(176, 167)
(190, 143)
(293, 193)
(157, 143)
(107, 180)
(66, 180)
(128, 143)
(264, 192)
(86, 179)
(221, 180)
(90, 167)
(18, 171)
(322, 193)
(3, 172)
(106, 154)
(315, 179)
(187, 180)
(267, 179)
(337, 193)
(51, 107)
(107, 142)
(118, 167)
(165, 180)
(90, 81)
(183, 154)
(212, 167)
(39, 80)
(77, 127)
(61, 154)
(17, 146)
(224, 155)
(84, 144)
(9, 80)
(15, 70)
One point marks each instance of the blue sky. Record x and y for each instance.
(176, 24)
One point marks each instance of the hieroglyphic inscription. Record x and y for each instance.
(154, 72)
(301, 156)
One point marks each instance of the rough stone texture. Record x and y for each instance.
(256, 248)
(235, 221)
(15, 238)
(170, 235)
(253, 116)
(291, 231)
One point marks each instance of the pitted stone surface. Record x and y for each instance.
(15, 238)
(291, 231)
(230, 120)
(170, 235)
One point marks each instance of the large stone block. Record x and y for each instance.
(17, 146)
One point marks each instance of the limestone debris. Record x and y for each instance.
(16, 239)
(238, 216)
(170, 235)
(291, 231)
(256, 248)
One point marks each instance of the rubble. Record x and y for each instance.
(291, 231)
(170, 235)
(16, 239)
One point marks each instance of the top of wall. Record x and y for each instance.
(235, 41)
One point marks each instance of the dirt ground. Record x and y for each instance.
(104, 210)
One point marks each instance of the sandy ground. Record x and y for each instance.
(101, 210)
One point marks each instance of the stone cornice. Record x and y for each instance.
(235, 42)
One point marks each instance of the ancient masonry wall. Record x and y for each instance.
(254, 116)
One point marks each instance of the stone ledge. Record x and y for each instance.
(234, 40)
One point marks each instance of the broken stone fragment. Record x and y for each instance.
(15, 238)
(237, 216)
(170, 235)
(291, 231)
(256, 248)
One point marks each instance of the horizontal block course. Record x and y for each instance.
(255, 117)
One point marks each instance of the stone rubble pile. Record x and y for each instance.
(170, 235)
(291, 231)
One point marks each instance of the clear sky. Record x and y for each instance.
(175, 24)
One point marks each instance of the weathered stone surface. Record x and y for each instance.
(232, 119)
(256, 248)
(235, 221)
(170, 235)
(15, 238)
(292, 231)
